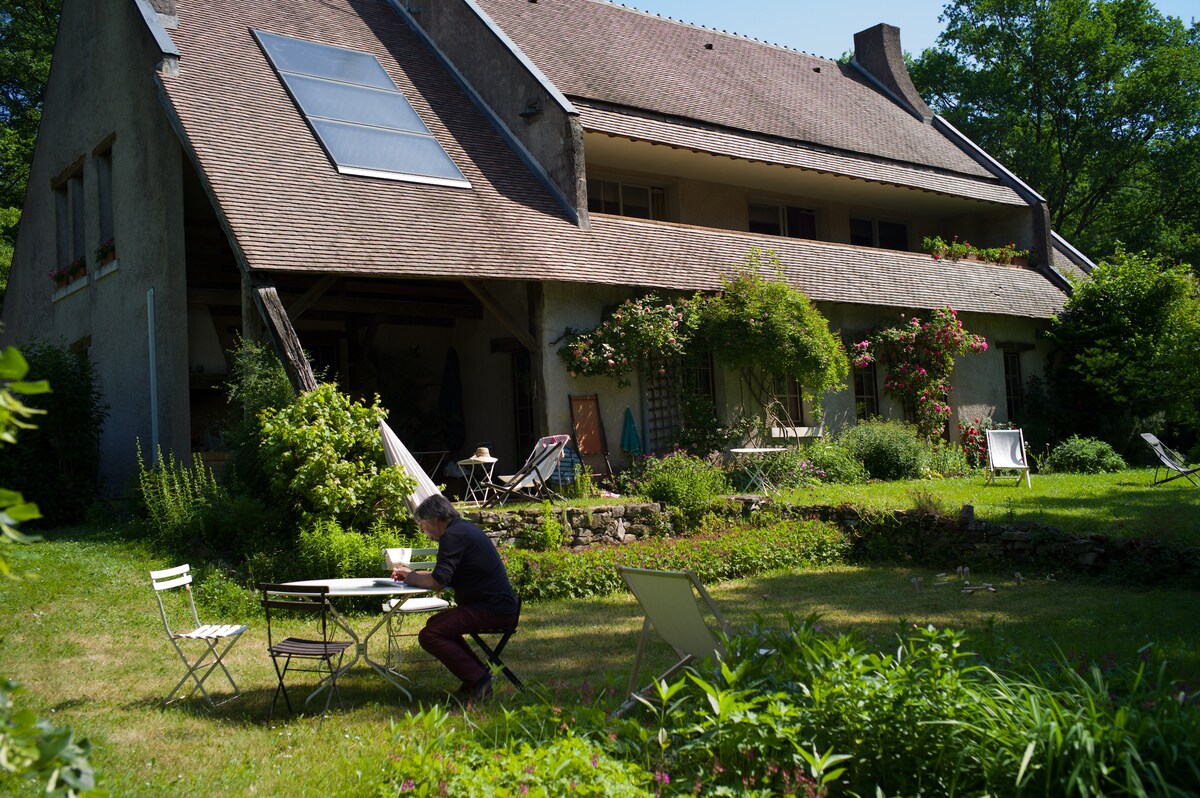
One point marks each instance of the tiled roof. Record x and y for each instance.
(286, 203)
(290, 210)
(597, 50)
(705, 138)
(658, 255)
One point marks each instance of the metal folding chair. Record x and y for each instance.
(399, 609)
(494, 650)
(214, 640)
(281, 603)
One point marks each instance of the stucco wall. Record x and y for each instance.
(104, 51)
(579, 307)
(978, 384)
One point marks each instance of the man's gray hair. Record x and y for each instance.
(437, 507)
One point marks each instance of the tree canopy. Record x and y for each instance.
(1094, 103)
(1125, 354)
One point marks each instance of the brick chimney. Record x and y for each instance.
(877, 52)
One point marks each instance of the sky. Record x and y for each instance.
(827, 28)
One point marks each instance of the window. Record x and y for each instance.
(789, 399)
(627, 199)
(1012, 384)
(364, 122)
(866, 394)
(875, 233)
(782, 220)
(104, 193)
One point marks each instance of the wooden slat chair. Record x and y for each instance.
(215, 639)
(400, 609)
(324, 654)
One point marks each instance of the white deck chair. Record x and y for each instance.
(533, 480)
(1006, 452)
(217, 639)
(669, 600)
(419, 560)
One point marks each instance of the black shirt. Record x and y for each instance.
(467, 561)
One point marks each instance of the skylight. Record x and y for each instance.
(363, 121)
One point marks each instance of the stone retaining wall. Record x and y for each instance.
(907, 534)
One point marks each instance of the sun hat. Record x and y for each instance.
(482, 455)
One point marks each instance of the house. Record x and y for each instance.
(423, 196)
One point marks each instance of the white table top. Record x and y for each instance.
(363, 586)
(760, 451)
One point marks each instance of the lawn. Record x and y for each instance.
(1123, 504)
(83, 635)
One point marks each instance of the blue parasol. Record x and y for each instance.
(631, 442)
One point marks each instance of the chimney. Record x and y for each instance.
(166, 7)
(877, 52)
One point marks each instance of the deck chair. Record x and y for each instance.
(1170, 461)
(214, 640)
(419, 560)
(669, 600)
(317, 651)
(590, 440)
(533, 480)
(1006, 452)
(493, 650)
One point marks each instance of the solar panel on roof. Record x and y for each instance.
(364, 122)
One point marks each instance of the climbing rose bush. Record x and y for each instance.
(920, 357)
(643, 335)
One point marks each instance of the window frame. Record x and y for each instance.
(656, 196)
(875, 221)
(866, 403)
(783, 213)
(1013, 383)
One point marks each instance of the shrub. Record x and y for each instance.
(836, 462)
(257, 382)
(324, 459)
(681, 481)
(173, 496)
(1079, 455)
(714, 556)
(786, 469)
(328, 551)
(56, 464)
(234, 526)
(887, 449)
(973, 437)
(222, 597)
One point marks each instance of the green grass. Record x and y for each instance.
(1124, 505)
(85, 638)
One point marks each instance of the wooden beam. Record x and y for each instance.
(502, 315)
(283, 335)
(393, 307)
(314, 292)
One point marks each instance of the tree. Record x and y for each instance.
(27, 31)
(1125, 350)
(1095, 103)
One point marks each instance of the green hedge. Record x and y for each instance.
(713, 556)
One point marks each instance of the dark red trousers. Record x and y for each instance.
(443, 637)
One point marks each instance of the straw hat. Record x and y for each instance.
(482, 455)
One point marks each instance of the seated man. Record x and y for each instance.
(467, 561)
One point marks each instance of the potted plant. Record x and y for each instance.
(77, 268)
(106, 252)
(60, 276)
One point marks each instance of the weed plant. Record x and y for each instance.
(173, 495)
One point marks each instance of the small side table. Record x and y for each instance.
(753, 458)
(478, 474)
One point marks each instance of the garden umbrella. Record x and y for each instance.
(631, 442)
(398, 455)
